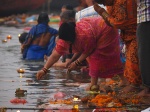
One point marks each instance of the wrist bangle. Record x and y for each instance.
(78, 63)
(45, 70)
(105, 15)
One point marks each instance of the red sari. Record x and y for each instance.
(123, 15)
(94, 36)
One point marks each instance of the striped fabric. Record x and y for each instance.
(143, 11)
(87, 12)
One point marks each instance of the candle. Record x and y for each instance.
(75, 108)
(75, 99)
(4, 41)
(19, 35)
(9, 37)
(20, 70)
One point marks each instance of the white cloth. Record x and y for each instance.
(87, 12)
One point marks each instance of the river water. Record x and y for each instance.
(38, 92)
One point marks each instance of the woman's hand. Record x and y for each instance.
(68, 63)
(98, 9)
(72, 67)
(40, 74)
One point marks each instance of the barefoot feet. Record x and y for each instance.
(144, 93)
(130, 88)
(92, 88)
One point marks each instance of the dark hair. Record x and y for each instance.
(67, 31)
(68, 7)
(67, 15)
(22, 37)
(99, 1)
(43, 18)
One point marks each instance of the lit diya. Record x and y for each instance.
(4, 41)
(9, 37)
(76, 108)
(76, 99)
(20, 70)
(19, 35)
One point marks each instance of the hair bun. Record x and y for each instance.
(67, 31)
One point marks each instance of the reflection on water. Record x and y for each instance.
(38, 92)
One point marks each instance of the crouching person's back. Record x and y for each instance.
(38, 39)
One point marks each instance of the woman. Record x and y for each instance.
(122, 14)
(38, 40)
(92, 38)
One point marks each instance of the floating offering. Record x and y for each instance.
(19, 35)
(9, 37)
(59, 95)
(20, 70)
(4, 41)
(29, 81)
(76, 100)
(20, 91)
(18, 101)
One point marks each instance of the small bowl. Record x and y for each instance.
(4, 41)
(20, 70)
(9, 37)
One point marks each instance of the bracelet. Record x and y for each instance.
(45, 70)
(78, 63)
(105, 15)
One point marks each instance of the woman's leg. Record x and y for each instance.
(94, 81)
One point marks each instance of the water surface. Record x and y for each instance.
(38, 92)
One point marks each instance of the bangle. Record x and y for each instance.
(105, 15)
(45, 70)
(78, 63)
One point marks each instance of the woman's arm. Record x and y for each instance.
(54, 57)
(74, 57)
(78, 61)
(26, 44)
(102, 12)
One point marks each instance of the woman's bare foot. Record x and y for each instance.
(88, 88)
(123, 81)
(144, 92)
(130, 88)
(92, 88)
(94, 81)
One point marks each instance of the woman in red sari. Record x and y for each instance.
(92, 38)
(122, 14)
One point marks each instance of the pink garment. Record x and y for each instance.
(94, 36)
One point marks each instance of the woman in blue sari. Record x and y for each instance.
(39, 38)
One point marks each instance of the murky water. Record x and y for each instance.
(38, 92)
